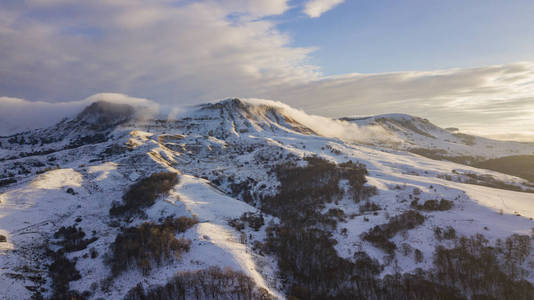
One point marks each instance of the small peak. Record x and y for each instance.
(393, 116)
(235, 103)
(354, 119)
(103, 114)
(230, 103)
(396, 116)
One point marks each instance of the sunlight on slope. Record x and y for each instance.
(57, 179)
(213, 210)
(102, 171)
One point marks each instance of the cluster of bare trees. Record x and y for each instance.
(208, 284)
(143, 193)
(149, 244)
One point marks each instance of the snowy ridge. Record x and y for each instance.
(418, 133)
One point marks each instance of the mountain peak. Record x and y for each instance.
(248, 114)
(229, 103)
(103, 114)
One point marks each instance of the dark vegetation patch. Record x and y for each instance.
(114, 149)
(369, 206)
(472, 269)
(181, 224)
(517, 165)
(304, 191)
(253, 220)
(379, 235)
(484, 180)
(449, 233)
(240, 189)
(440, 154)
(71, 239)
(467, 139)
(307, 259)
(3, 238)
(432, 205)
(312, 269)
(63, 270)
(336, 214)
(333, 150)
(24, 139)
(483, 271)
(211, 284)
(143, 193)
(149, 244)
(78, 142)
(47, 169)
(93, 252)
(8, 181)
(87, 140)
(36, 153)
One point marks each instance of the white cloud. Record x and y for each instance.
(167, 50)
(315, 8)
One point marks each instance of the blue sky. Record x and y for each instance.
(467, 64)
(384, 36)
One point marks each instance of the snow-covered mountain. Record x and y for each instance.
(252, 199)
(417, 135)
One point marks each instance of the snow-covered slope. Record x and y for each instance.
(227, 154)
(418, 134)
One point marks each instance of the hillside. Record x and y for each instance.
(252, 199)
(420, 136)
(517, 165)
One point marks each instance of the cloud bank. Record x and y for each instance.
(174, 51)
(315, 8)
(187, 52)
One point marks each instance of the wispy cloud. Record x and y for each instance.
(168, 50)
(315, 8)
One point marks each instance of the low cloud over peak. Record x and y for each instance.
(19, 114)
